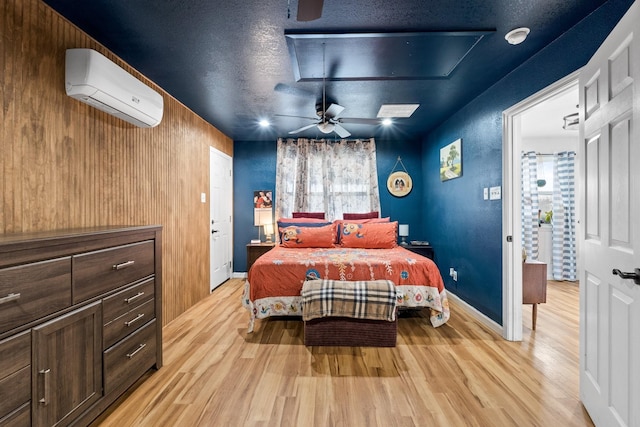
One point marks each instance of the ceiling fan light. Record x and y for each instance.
(517, 36)
(326, 127)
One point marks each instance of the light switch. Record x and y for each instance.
(203, 197)
(495, 193)
(486, 193)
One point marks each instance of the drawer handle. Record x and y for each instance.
(123, 265)
(134, 320)
(136, 351)
(45, 375)
(10, 297)
(133, 298)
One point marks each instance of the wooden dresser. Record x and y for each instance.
(80, 321)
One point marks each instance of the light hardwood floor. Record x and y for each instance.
(460, 374)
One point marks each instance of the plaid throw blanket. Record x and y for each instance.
(373, 300)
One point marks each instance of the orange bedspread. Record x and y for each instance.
(276, 278)
(281, 271)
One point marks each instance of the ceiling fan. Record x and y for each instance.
(327, 119)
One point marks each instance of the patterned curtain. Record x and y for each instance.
(326, 176)
(530, 219)
(564, 211)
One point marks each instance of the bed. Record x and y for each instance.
(275, 280)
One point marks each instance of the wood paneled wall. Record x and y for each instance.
(65, 164)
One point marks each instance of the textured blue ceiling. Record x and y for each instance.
(229, 61)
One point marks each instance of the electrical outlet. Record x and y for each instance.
(203, 197)
(495, 193)
(451, 270)
(455, 276)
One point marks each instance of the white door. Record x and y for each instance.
(221, 202)
(610, 235)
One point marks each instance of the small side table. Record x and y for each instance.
(424, 250)
(534, 286)
(255, 250)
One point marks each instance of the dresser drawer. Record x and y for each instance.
(20, 418)
(31, 291)
(15, 390)
(15, 377)
(128, 322)
(126, 361)
(98, 272)
(15, 354)
(118, 304)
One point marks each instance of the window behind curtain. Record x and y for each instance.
(324, 176)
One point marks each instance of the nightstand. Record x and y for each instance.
(255, 250)
(424, 250)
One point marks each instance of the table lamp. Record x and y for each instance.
(403, 232)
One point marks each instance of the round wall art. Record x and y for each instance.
(399, 183)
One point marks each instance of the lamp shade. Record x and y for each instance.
(403, 230)
(262, 216)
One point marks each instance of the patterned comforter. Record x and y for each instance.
(275, 280)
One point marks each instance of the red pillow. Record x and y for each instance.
(318, 215)
(308, 237)
(376, 235)
(360, 215)
(303, 220)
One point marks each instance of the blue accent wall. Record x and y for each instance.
(254, 168)
(464, 229)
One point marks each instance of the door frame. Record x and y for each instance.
(511, 205)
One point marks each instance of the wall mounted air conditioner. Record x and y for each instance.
(94, 79)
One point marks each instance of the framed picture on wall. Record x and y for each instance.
(262, 199)
(399, 183)
(451, 160)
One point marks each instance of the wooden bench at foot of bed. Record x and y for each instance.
(355, 314)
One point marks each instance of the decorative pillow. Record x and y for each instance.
(340, 222)
(300, 222)
(308, 237)
(367, 215)
(380, 235)
(317, 215)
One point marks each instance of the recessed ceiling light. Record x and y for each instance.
(397, 110)
(264, 123)
(387, 122)
(517, 36)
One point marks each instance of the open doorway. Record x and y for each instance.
(533, 125)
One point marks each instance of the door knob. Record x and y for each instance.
(214, 231)
(635, 275)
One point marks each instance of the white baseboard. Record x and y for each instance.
(489, 323)
(239, 275)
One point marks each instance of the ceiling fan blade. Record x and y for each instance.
(342, 132)
(334, 110)
(303, 128)
(309, 10)
(359, 121)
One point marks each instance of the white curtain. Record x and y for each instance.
(326, 176)
(564, 211)
(530, 219)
